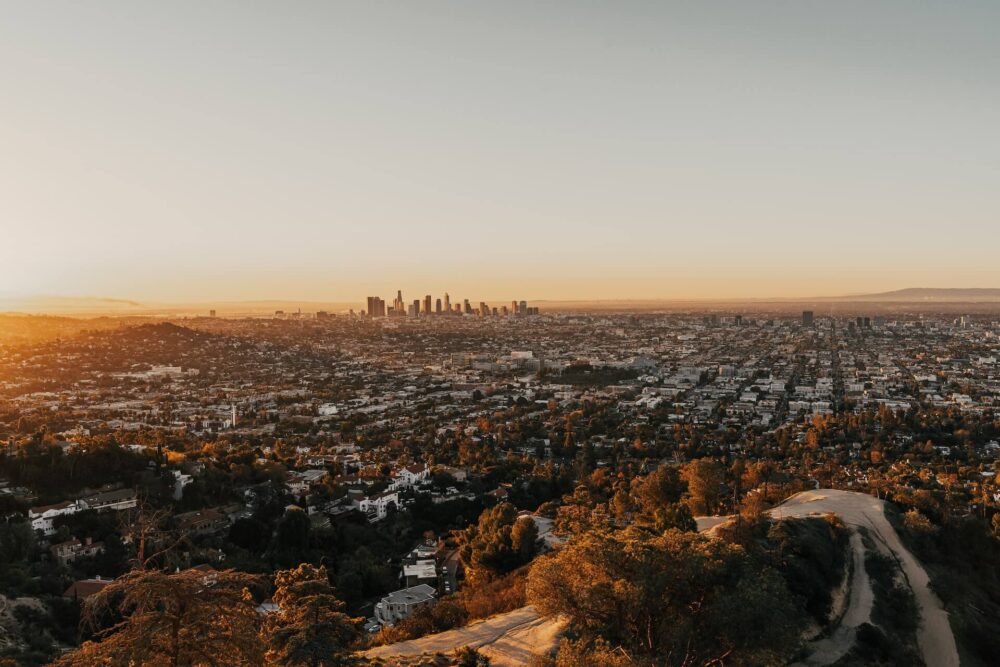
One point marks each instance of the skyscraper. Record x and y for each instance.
(808, 318)
(437, 307)
(447, 303)
(427, 304)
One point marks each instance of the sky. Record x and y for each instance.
(197, 151)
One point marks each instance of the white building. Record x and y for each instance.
(401, 604)
(41, 517)
(410, 476)
(377, 507)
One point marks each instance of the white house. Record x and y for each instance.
(401, 604)
(300, 482)
(410, 475)
(109, 501)
(41, 517)
(377, 506)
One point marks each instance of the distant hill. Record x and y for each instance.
(69, 305)
(924, 294)
(94, 306)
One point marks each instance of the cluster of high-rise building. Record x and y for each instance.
(430, 306)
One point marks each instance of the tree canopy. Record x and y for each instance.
(310, 628)
(676, 597)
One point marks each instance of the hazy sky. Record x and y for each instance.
(244, 150)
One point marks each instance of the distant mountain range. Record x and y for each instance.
(92, 306)
(923, 294)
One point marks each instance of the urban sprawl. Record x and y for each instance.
(373, 442)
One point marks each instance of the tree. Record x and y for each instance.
(291, 539)
(761, 473)
(676, 516)
(524, 539)
(704, 478)
(187, 619)
(249, 534)
(658, 489)
(498, 544)
(680, 598)
(310, 629)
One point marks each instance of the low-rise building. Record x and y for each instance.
(401, 604)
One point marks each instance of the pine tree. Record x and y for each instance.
(310, 629)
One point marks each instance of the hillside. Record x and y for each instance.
(929, 294)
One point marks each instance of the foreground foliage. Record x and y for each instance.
(310, 627)
(188, 618)
(677, 598)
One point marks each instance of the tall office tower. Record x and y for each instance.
(503, 311)
(496, 313)
(447, 303)
(398, 304)
(739, 320)
(371, 306)
(437, 306)
(381, 307)
(484, 310)
(513, 307)
(427, 304)
(522, 308)
(416, 307)
(808, 318)
(860, 322)
(468, 307)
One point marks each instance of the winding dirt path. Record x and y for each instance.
(861, 599)
(509, 640)
(935, 638)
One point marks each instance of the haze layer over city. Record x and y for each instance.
(448, 334)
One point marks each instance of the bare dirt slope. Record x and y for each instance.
(509, 640)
